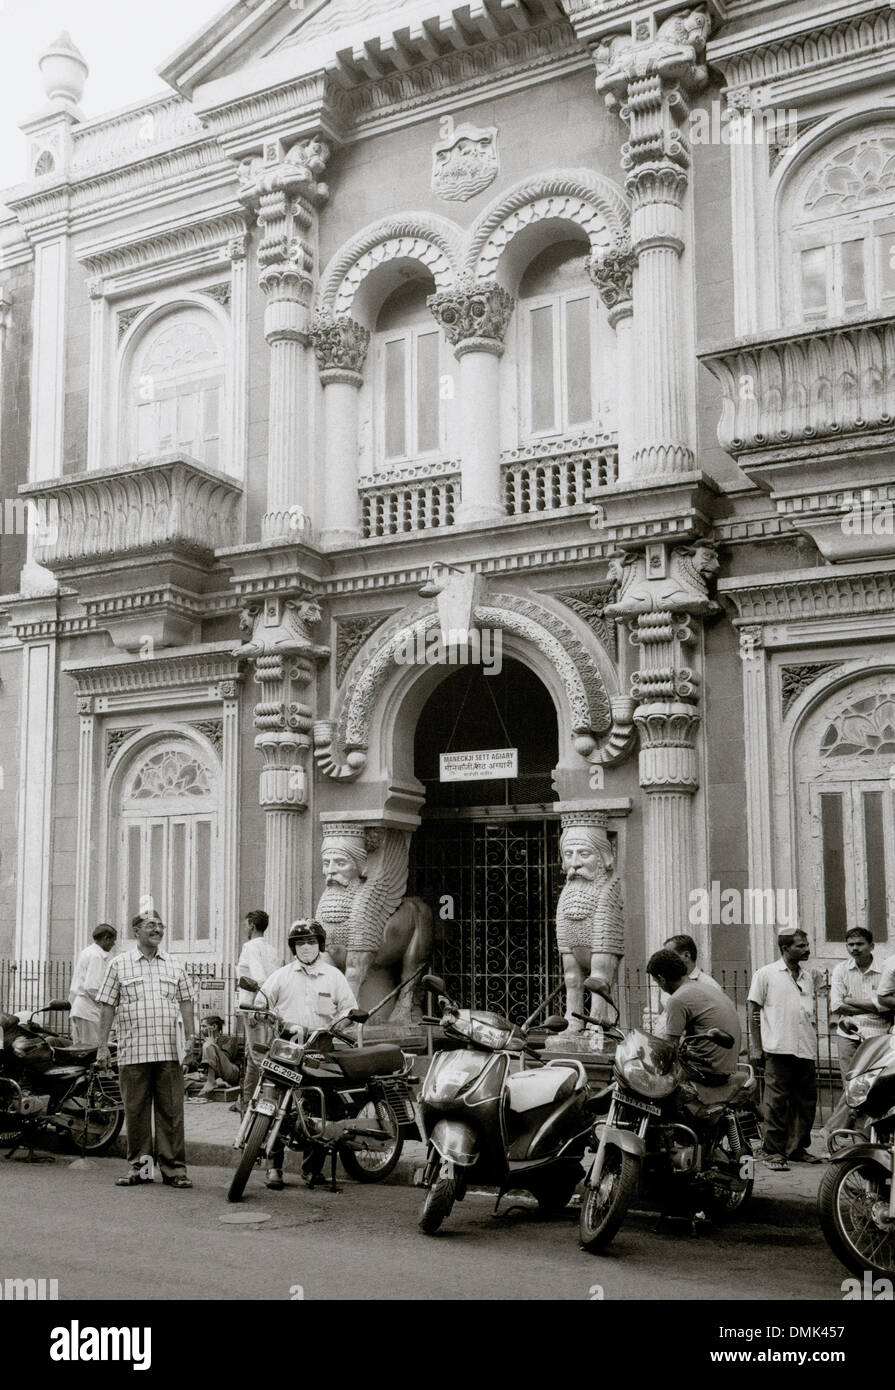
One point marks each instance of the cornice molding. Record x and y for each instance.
(815, 51)
(211, 230)
(844, 592)
(188, 667)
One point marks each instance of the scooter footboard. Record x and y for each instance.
(457, 1141)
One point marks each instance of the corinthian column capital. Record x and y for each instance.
(340, 345)
(613, 274)
(475, 316)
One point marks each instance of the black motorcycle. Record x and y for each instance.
(856, 1197)
(326, 1098)
(684, 1146)
(50, 1086)
(492, 1119)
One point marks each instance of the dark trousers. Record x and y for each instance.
(790, 1099)
(148, 1087)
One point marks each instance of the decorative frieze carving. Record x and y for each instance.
(813, 594)
(465, 163)
(115, 738)
(213, 730)
(340, 345)
(126, 317)
(795, 679)
(814, 50)
(200, 233)
(119, 678)
(590, 604)
(219, 293)
(474, 316)
(351, 634)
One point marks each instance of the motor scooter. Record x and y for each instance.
(488, 1124)
(856, 1197)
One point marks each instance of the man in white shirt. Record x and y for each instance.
(854, 1000)
(258, 960)
(88, 975)
(886, 989)
(782, 1034)
(309, 993)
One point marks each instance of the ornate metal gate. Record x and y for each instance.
(492, 887)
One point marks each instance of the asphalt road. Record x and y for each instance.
(100, 1241)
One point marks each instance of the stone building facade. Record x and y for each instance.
(564, 324)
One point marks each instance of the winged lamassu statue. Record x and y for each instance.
(370, 923)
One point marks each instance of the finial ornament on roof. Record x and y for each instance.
(64, 70)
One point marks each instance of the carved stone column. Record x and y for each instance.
(759, 815)
(283, 187)
(284, 658)
(475, 318)
(649, 78)
(613, 275)
(663, 592)
(341, 346)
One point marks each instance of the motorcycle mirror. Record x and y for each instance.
(56, 1005)
(555, 1023)
(359, 1015)
(435, 983)
(717, 1035)
(597, 985)
(246, 982)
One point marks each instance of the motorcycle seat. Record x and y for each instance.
(75, 1054)
(377, 1059)
(720, 1095)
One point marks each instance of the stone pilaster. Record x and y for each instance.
(475, 318)
(36, 625)
(759, 816)
(663, 592)
(283, 188)
(237, 250)
(613, 275)
(650, 78)
(341, 346)
(284, 658)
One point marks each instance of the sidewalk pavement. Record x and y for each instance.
(211, 1129)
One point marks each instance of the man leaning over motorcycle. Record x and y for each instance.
(693, 1009)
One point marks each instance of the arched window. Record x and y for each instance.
(840, 229)
(558, 325)
(846, 811)
(174, 389)
(408, 365)
(167, 842)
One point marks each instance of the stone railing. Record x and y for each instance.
(802, 388)
(127, 134)
(168, 504)
(546, 476)
(397, 502)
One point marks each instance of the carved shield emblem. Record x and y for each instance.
(465, 163)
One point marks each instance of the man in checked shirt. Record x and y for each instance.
(146, 987)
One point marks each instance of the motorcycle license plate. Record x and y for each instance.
(264, 1107)
(637, 1104)
(280, 1071)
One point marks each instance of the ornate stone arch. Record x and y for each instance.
(434, 242)
(587, 199)
(341, 745)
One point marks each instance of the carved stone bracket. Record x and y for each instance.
(613, 275)
(474, 316)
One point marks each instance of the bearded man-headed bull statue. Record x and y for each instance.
(369, 922)
(590, 928)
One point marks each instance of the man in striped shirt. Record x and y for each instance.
(147, 988)
(854, 997)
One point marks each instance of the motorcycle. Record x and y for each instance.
(350, 1102)
(683, 1144)
(47, 1085)
(488, 1124)
(856, 1196)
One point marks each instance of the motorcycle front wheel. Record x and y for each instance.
(438, 1204)
(604, 1207)
(256, 1136)
(102, 1122)
(853, 1205)
(378, 1157)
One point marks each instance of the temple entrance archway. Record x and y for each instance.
(486, 855)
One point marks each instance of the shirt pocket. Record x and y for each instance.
(325, 1005)
(130, 990)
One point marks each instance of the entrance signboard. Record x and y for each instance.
(479, 765)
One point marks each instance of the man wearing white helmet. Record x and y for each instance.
(308, 993)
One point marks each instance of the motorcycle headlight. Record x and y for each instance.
(646, 1083)
(284, 1051)
(859, 1087)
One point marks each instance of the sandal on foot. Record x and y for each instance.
(132, 1180)
(181, 1180)
(777, 1164)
